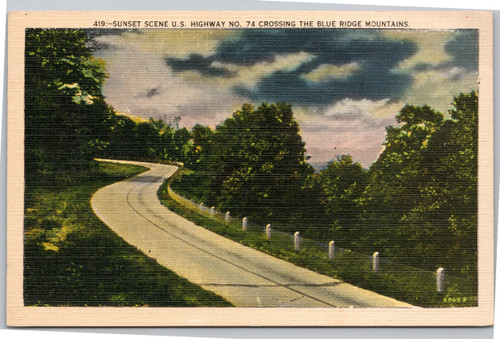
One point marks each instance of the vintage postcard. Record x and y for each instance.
(250, 169)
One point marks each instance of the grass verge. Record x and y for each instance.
(72, 259)
(401, 282)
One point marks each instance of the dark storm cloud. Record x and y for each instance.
(196, 62)
(423, 66)
(370, 82)
(376, 55)
(334, 47)
(464, 48)
(152, 92)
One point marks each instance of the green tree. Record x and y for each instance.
(64, 106)
(342, 184)
(202, 151)
(181, 146)
(259, 163)
(421, 201)
(395, 178)
(447, 206)
(122, 138)
(163, 141)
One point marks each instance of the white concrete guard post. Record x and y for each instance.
(212, 210)
(440, 280)
(268, 231)
(376, 262)
(244, 223)
(296, 241)
(331, 250)
(228, 217)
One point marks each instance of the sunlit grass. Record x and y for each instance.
(73, 259)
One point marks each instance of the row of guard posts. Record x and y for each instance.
(440, 273)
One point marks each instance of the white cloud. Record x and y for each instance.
(348, 126)
(141, 84)
(437, 87)
(430, 46)
(326, 72)
(326, 138)
(354, 108)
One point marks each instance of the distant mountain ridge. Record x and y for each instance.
(318, 165)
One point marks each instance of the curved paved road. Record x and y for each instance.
(243, 276)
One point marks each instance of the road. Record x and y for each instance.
(243, 276)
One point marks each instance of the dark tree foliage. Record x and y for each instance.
(65, 112)
(203, 146)
(123, 141)
(181, 145)
(68, 122)
(396, 176)
(255, 161)
(342, 185)
(447, 208)
(421, 201)
(151, 140)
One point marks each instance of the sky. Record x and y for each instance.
(345, 85)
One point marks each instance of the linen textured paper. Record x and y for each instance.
(257, 168)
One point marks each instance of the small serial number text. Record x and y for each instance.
(459, 299)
